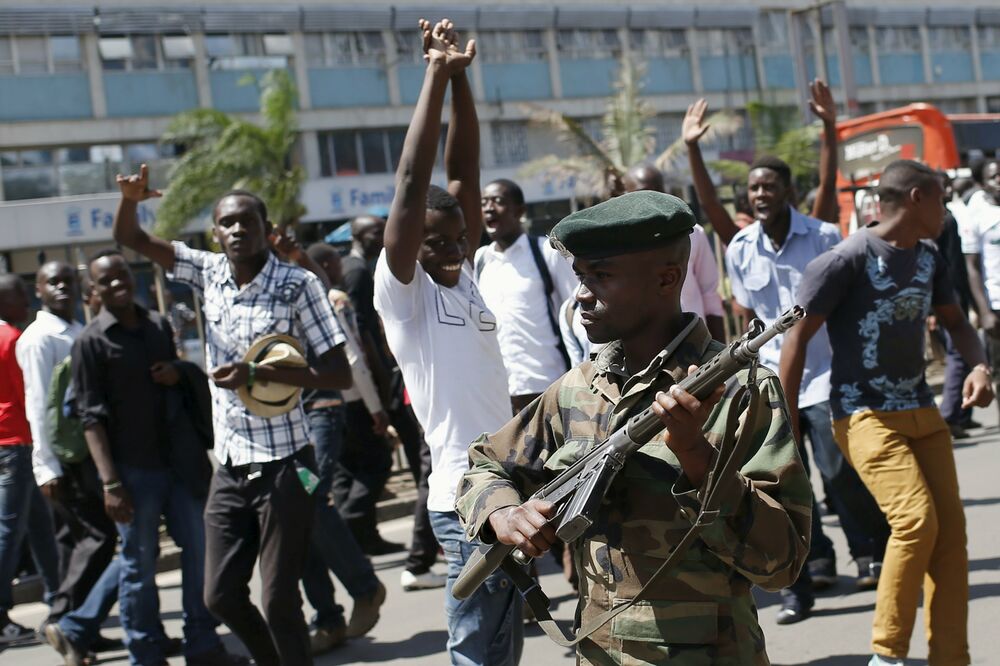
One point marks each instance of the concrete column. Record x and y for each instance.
(301, 70)
(873, 54)
(95, 75)
(391, 67)
(925, 52)
(758, 57)
(554, 78)
(977, 67)
(691, 35)
(310, 154)
(201, 71)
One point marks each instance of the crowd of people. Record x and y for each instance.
(498, 365)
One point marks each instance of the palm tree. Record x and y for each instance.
(224, 152)
(627, 137)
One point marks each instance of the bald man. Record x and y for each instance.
(700, 293)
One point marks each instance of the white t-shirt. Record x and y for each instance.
(700, 293)
(445, 341)
(980, 232)
(512, 289)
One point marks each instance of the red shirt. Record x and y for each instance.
(14, 428)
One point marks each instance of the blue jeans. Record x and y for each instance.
(83, 624)
(333, 546)
(24, 513)
(157, 492)
(487, 627)
(861, 519)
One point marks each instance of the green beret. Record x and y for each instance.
(630, 223)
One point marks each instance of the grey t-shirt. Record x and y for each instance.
(876, 298)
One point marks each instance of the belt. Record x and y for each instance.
(253, 470)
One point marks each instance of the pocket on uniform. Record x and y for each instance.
(669, 622)
(572, 450)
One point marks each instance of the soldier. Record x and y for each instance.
(630, 254)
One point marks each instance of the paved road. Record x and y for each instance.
(411, 630)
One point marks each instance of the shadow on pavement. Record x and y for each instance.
(849, 660)
(422, 644)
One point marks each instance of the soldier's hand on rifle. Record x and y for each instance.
(526, 527)
(684, 416)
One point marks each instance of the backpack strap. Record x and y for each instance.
(534, 242)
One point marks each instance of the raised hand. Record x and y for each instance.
(136, 187)
(821, 101)
(694, 126)
(441, 49)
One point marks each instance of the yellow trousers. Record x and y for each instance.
(906, 460)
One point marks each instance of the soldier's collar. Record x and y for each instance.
(686, 349)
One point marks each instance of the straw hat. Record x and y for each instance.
(269, 399)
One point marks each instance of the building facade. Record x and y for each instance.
(86, 91)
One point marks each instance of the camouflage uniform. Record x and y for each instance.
(700, 612)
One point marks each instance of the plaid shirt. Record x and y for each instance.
(282, 298)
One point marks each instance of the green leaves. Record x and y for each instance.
(225, 152)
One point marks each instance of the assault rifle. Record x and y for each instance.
(578, 491)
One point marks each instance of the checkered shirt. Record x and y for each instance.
(282, 298)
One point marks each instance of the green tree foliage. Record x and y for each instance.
(224, 152)
(627, 137)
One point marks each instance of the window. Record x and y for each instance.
(773, 26)
(409, 47)
(239, 51)
(7, 56)
(32, 55)
(512, 46)
(146, 52)
(658, 43)
(726, 42)
(65, 54)
(510, 143)
(898, 40)
(588, 43)
(40, 55)
(355, 152)
(87, 169)
(989, 39)
(950, 39)
(345, 48)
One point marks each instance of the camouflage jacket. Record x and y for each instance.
(700, 612)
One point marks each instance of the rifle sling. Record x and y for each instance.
(724, 468)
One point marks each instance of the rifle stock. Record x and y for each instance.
(578, 490)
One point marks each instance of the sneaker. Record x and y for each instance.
(879, 660)
(868, 573)
(60, 642)
(425, 581)
(791, 612)
(217, 656)
(323, 640)
(366, 612)
(823, 571)
(12, 633)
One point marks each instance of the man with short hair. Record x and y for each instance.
(85, 534)
(874, 291)
(124, 373)
(523, 281)
(981, 247)
(630, 253)
(23, 513)
(700, 293)
(443, 335)
(262, 486)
